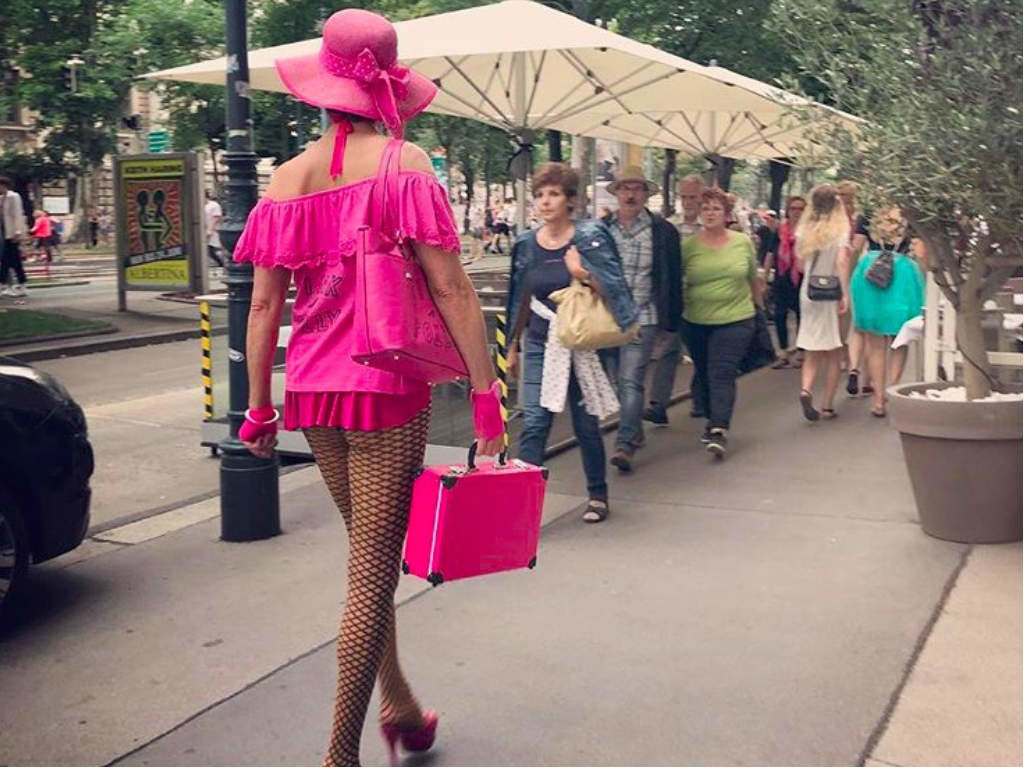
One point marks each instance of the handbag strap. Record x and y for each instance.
(385, 191)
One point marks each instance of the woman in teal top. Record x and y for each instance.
(881, 312)
(720, 298)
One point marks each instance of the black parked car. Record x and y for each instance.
(45, 465)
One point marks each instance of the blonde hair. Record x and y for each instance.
(888, 225)
(823, 225)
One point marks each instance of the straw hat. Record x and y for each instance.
(632, 174)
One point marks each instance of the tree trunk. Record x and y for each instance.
(467, 172)
(720, 173)
(971, 342)
(588, 148)
(667, 201)
(779, 172)
(555, 146)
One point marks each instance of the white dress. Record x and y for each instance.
(819, 320)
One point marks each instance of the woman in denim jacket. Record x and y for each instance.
(543, 261)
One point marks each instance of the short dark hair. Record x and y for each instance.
(556, 175)
(337, 114)
(720, 196)
(6, 181)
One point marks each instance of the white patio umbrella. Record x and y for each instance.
(525, 67)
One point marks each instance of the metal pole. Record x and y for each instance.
(249, 504)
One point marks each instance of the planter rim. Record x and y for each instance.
(951, 420)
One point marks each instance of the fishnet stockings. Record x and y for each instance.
(369, 475)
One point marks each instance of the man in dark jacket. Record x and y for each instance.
(652, 263)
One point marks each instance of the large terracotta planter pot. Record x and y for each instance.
(964, 461)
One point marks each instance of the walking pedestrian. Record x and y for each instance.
(883, 302)
(853, 338)
(668, 346)
(367, 428)
(767, 236)
(788, 275)
(823, 246)
(12, 232)
(94, 228)
(212, 214)
(722, 294)
(545, 260)
(651, 261)
(42, 231)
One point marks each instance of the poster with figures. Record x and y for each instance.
(156, 215)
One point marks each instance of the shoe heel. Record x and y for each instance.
(391, 737)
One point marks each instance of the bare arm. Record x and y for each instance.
(270, 287)
(844, 263)
(459, 306)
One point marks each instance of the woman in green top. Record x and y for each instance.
(721, 293)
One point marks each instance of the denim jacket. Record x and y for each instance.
(600, 257)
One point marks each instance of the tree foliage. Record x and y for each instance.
(939, 84)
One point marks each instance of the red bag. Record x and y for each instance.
(397, 326)
(468, 520)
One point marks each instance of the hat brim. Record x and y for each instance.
(652, 188)
(306, 80)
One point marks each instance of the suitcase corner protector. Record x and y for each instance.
(449, 481)
(544, 472)
(435, 578)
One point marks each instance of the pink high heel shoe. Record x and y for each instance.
(416, 740)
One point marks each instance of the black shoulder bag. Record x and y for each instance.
(823, 287)
(880, 272)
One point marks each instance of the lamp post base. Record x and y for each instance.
(249, 501)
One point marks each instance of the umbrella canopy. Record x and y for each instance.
(525, 67)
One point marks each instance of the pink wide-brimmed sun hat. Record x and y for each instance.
(357, 71)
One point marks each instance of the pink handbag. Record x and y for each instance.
(397, 326)
(468, 520)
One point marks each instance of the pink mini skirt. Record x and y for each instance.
(359, 411)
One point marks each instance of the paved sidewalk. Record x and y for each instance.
(764, 610)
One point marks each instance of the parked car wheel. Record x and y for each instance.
(14, 558)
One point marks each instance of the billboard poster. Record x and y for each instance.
(152, 195)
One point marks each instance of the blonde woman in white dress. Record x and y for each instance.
(822, 245)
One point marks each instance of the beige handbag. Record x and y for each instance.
(583, 320)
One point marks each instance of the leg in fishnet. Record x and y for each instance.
(370, 477)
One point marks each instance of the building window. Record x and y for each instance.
(10, 110)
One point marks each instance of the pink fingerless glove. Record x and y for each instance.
(487, 421)
(258, 422)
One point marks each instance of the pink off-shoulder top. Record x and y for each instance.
(314, 236)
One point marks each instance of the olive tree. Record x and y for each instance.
(938, 83)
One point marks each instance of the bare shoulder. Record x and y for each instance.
(287, 180)
(414, 158)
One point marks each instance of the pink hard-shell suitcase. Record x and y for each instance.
(474, 518)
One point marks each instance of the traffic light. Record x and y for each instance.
(67, 78)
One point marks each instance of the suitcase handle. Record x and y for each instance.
(471, 460)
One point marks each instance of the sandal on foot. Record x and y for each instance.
(853, 382)
(878, 413)
(781, 363)
(807, 403)
(829, 413)
(597, 511)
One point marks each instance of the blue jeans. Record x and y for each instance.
(664, 377)
(537, 422)
(627, 369)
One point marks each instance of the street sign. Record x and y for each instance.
(158, 141)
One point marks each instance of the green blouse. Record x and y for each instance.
(717, 280)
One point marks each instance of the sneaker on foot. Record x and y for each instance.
(5, 292)
(656, 415)
(19, 290)
(622, 461)
(717, 442)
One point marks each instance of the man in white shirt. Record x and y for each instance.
(212, 213)
(12, 231)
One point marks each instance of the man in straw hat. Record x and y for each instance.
(652, 263)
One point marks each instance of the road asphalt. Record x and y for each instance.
(782, 607)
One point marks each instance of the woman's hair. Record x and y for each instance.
(337, 114)
(557, 175)
(823, 224)
(888, 225)
(847, 187)
(720, 196)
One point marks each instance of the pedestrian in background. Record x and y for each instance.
(94, 228)
(12, 232)
(546, 260)
(785, 267)
(823, 246)
(212, 214)
(367, 428)
(651, 262)
(767, 236)
(881, 308)
(668, 346)
(856, 383)
(722, 294)
(42, 231)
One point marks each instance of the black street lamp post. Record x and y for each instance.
(249, 506)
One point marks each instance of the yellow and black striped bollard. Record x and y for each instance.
(501, 337)
(204, 334)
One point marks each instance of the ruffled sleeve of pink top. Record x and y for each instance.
(312, 236)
